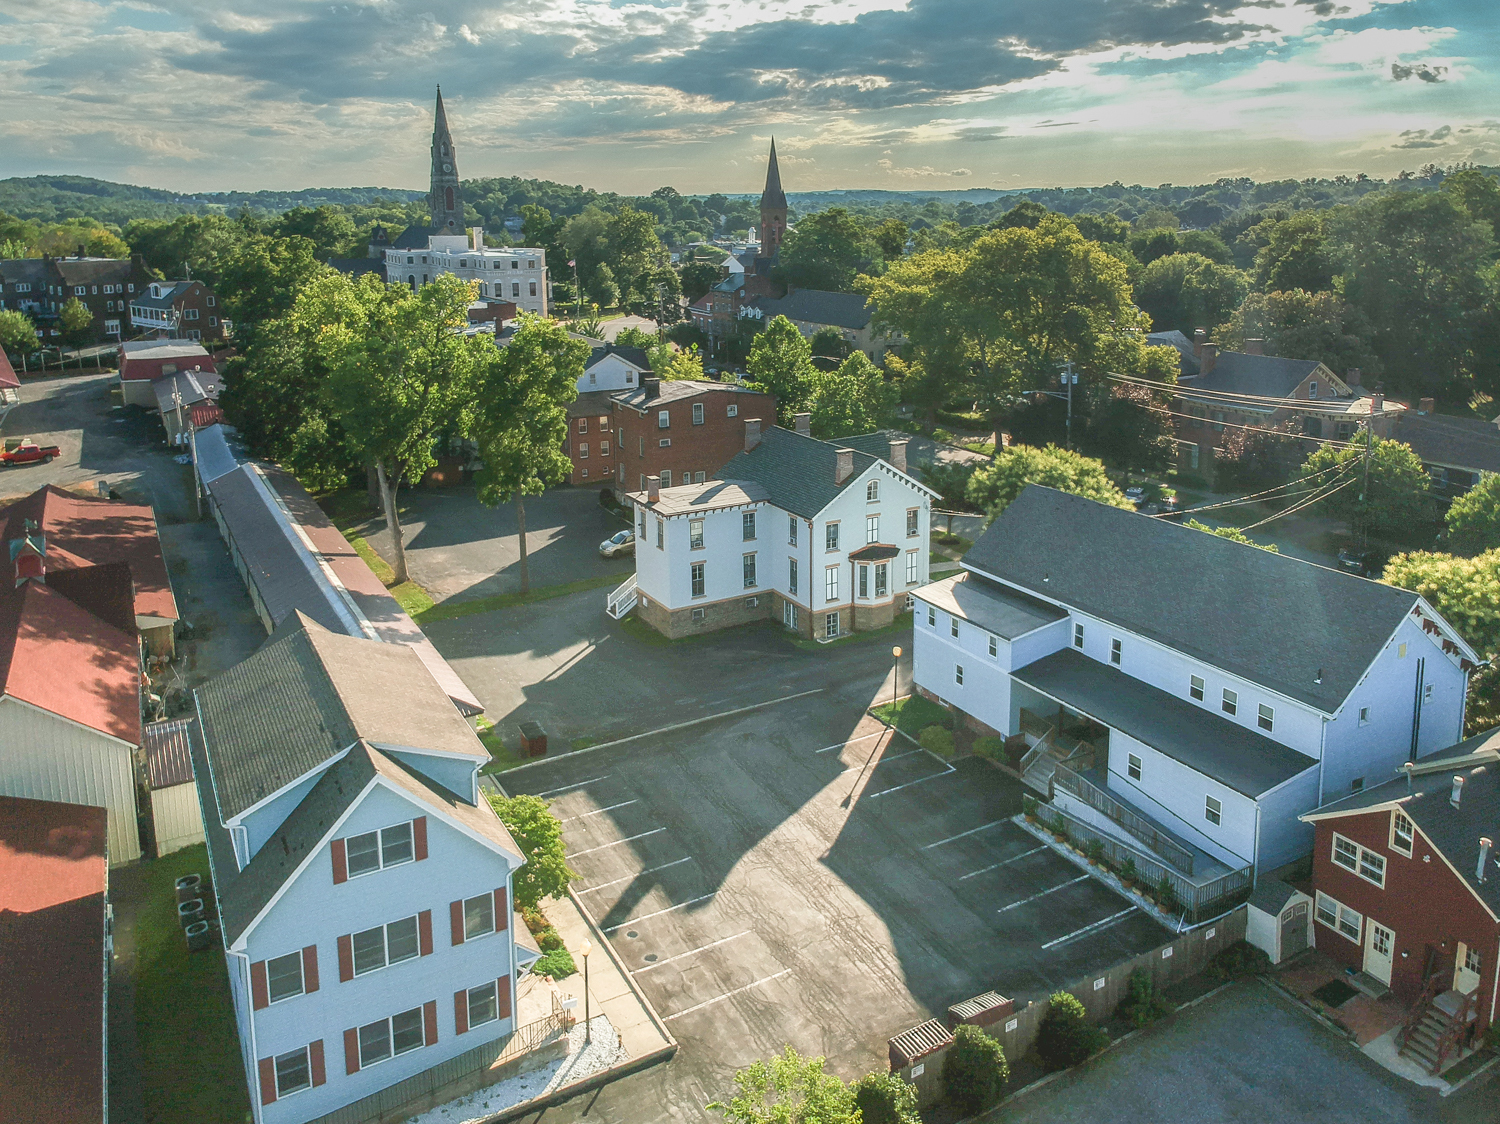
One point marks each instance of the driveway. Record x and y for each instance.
(796, 875)
(458, 549)
(1245, 1054)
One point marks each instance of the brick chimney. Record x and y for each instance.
(844, 466)
(1377, 403)
(650, 387)
(1207, 358)
(803, 423)
(752, 433)
(898, 454)
(1255, 347)
(1425, 406)
(1200, 337)
(1353, 375)
(30, 555)
(653, 489)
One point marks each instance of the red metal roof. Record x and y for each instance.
(88, 531)
(53, 881)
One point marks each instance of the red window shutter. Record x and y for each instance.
(429, 1022)
(310, 970)
(260, 995)
(461, 1012)
(315, 1062)
(456, 918)
(351, 1050)
(424, 932)
(502, 988)
(502, 915)
(267, 1080)
(340, 864)
(419, 837)
(346, 958)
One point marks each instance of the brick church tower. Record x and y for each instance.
(444, 201)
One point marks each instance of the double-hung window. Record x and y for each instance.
(1359, 860)
(385, 1038)
(385, 944)
(375, 850)
(1338, 917)
(284, 977)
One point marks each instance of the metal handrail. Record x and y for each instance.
(1100, 799)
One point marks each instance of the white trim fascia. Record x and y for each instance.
(70, 721)
(239, 817)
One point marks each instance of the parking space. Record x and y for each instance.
(800, 875)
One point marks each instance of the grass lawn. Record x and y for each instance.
(190, 1052)
(913, 714)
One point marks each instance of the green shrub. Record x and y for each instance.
(548, 940)
(1066, 1036)
(883, 1098)
(937, 740)
(1142, 1005)
(559, 965)
(1238, 961)
(993, 748)
(974, 1069)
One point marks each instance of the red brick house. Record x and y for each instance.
(683, 431)
(1407, 891)
(179, 309)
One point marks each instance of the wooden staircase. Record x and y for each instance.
(1437, 1025)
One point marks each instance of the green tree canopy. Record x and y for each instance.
(539, 835)
(1300, 325)
(1397, 501)
(788, 1089)
(780, 363)
(1474, 518)
(853, 399)
(995, 485)
(1188, 291)
(826, 250)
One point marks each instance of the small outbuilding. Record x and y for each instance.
(1279, 921)
(175, 815)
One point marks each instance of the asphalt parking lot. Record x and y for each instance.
(795, 875)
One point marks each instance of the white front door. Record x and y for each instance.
(1380, 944)
(1466, 969)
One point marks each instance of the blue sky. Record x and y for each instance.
(626, 96)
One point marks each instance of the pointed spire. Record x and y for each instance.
(773, 196)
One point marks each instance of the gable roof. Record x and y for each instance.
(90, 531)
(306, 696)
(1459, 442)
(796, 471)
(1269, 618)
(1455, 832)
(819, 306)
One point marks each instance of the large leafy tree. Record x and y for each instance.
(521, 416)
(826, 250)
(539, 835)
(1396, 500)
(788, 1089)
(1297, 324)
(1467, 592)
(780, 363)
(853, 399)
(399, 373)
(995, 485)
(1188, 291)
(1474, 518)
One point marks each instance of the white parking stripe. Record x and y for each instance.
(1044, 893)
(1095, 927)
(616, 843)
(851, 741)
(726, 995)
(568, 787)
(1004, 862)
(629, 877)
(597, 811)
(908, 784)
(659, 912)
(691, 952)
(961, 834)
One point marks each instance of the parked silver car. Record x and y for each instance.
(621, 542)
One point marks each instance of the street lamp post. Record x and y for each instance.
(587, 1029)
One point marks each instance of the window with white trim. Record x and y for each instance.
(293, 1073)
(1403, 833)
(1359, 860)
(1213, 810)
(1195, 687)
(375, 850)
(479, 916)
(1338, 917)
(1230, 703)
(284, 977)
(385, 1038)
(1265, 717)
(385, 945)
(1132, 766)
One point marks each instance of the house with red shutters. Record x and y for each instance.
(1407, 892)
(361, 880)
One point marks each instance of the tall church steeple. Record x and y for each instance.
(444, 201)
(772, 209)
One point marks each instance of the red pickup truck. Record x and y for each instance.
(29, 452)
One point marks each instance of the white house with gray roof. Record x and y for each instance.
(827, 537)
(362, 881)
(1183, 697)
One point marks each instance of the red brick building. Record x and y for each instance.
(179, 309)
(682, 431)
(1407, 891)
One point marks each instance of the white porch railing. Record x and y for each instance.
(622, 599)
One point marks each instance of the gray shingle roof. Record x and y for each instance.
(1235, 372)
(307, 695)
(992, 607)
(1230, 754)
(797, 472)
(1453, 831)
(1457, 442)
(818, 306)
(1273, 620)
